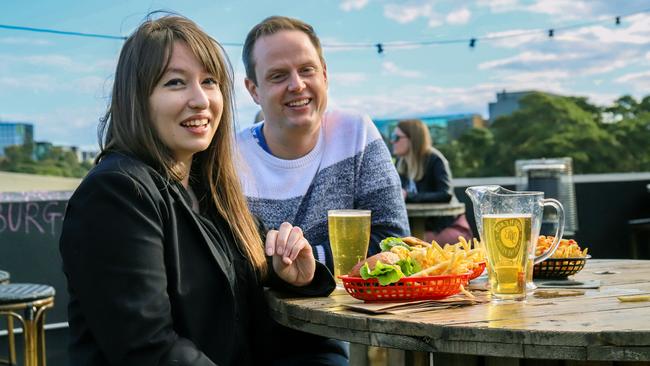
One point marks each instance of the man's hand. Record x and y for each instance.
(293, 259)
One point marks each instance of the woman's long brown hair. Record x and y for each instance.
(412, 165)
(127, 124)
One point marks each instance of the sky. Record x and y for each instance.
(62, 84)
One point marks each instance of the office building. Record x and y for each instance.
(506, 104)
(15, 133)
(442, 128)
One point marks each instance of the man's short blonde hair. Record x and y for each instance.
(272, 25)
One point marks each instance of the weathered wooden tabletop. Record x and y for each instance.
(595, 326)
(419, 212)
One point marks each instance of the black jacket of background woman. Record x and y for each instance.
(152, 282)
(435, 186)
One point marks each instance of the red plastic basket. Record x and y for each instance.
(408, 288)
(478, 270)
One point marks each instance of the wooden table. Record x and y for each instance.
(592, 327)
(418, 213)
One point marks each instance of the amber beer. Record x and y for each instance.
(507, 239)
(349, 232)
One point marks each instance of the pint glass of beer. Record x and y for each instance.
(349, 233)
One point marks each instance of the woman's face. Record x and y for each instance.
(186, 105)
(401, 143)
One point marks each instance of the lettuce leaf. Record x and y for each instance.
(384, 273)
(390, 242)
(409, 266)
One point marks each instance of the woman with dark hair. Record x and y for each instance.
(165, 263)
(426, 177)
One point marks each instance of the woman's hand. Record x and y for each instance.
(404, 193)
(293, 259)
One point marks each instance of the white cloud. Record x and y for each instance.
(347, 78)
(514, 38)
(349, 5)
(638, 80)
(565, 9)
(550, 80)
(525, 60)
(460, 16)
(25, 41)
(434, 21)
(417, 100)
(391, 68)
(65, 125)
(58, 62)
(589, 51)
(406, 13)
(99, 87)
(32, 82)
(499, 6)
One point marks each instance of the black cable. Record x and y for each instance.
(380, 47)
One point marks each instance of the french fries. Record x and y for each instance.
(568, 248)
(435, 260)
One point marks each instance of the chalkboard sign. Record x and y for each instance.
(29, 245)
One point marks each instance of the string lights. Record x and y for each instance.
(380, 47)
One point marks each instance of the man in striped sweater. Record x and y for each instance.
(302, 160)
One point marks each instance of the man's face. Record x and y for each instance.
(291, 81)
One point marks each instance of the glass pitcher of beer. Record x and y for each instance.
(508, 223)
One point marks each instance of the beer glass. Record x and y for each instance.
(349, 233)
(509, 224)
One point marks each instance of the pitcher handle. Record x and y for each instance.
(558, 232)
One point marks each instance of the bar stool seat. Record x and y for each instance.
(11, 348)
(32, 300)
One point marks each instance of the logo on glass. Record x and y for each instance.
(508, 232)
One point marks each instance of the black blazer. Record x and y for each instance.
(435, 185)
(149, 285)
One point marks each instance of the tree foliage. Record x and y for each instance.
(57, 161)
(549, 126)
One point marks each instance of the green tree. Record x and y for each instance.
(57, 162)
(553, 126)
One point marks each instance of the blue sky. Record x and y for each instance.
(61, 84)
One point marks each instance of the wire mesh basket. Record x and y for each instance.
(559, 267)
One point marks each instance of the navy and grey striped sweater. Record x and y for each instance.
(350, 167)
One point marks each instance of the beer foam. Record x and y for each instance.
(348, 213)
(508, 216)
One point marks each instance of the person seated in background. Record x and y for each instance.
(426, 177)
(165, 264)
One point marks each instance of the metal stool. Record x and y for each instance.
(11, 345)
(32, 300)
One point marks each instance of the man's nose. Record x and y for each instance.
(296, 83)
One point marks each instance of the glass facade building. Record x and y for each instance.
(15, 133)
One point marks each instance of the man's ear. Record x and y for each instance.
(325, 74)
(252, 90)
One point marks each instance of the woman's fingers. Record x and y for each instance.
(301, 245)
(271, 237)
(282, 238)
